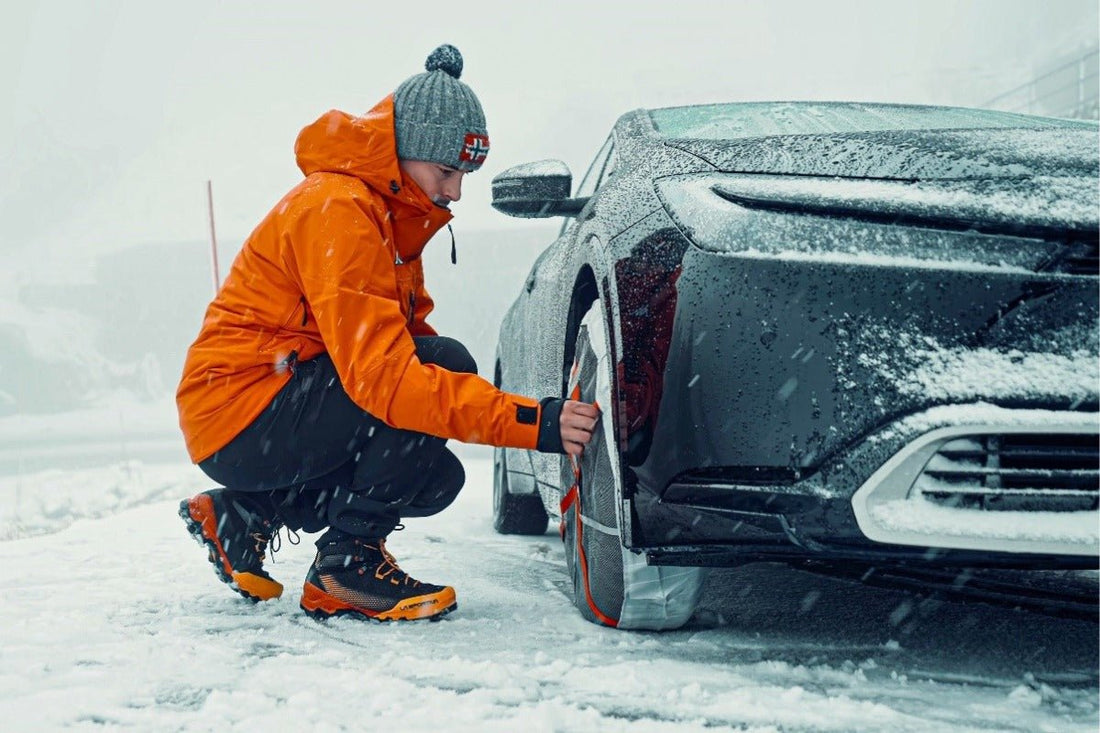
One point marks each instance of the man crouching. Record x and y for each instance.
(317, 394)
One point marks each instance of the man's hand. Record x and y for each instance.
(578, 420)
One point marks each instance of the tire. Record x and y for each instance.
(612, 586)
(514, 513)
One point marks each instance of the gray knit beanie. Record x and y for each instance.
(437, 118)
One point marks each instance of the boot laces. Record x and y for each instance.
(388, 567)
(276, 540)
(386, 553)
(267, 534)
(260, 541)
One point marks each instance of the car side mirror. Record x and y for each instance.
(536, 190)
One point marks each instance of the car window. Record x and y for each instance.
(594, 176)
(602, 167)
(609, 167)
(759, 119)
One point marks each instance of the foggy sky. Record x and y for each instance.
(118, 112)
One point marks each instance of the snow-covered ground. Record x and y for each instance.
(112, 617)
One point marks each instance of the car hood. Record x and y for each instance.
(911, 155)
(740, 209)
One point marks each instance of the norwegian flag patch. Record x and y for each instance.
(474, 148)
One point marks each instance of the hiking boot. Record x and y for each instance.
(236, 536)
(361, 577)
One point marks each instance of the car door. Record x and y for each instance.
(548, 288)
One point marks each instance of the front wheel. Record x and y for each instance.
(612, 585)
(514, 513)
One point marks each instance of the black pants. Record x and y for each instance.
(315, 459)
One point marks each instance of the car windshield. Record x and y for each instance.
(760, 119)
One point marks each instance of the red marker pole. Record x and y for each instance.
(213, 237)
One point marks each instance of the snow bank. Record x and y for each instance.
(49, 501)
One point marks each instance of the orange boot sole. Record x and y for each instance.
(201, 520)
(433, 606)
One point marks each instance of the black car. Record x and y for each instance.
(833, 334)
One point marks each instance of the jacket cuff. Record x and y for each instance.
(549, 440)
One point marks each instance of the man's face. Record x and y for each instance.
(441, 183)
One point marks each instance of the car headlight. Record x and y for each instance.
(1018, 224)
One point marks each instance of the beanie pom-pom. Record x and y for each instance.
(445, 58)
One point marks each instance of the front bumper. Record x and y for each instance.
(723, 517)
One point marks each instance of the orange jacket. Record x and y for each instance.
(335, 267)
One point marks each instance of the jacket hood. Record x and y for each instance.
(366, 147)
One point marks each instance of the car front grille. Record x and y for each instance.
(1015, 472)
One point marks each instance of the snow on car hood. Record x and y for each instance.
(941, 221)
(1047, 201)
(911, 155)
